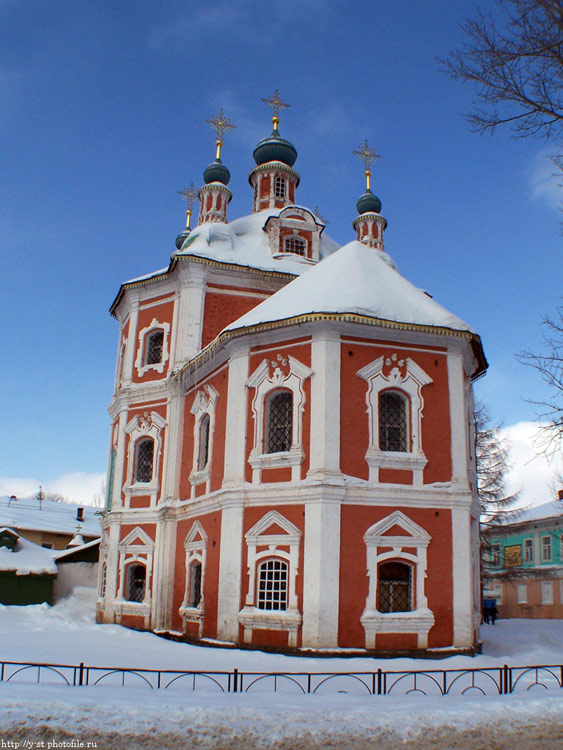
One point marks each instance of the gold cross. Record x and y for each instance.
(220, 124)
(188, 194)
(367, 155)
(276, 103)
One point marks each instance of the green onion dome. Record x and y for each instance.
(181, 238)
(368, 203)
(275, 148)
(217, 172)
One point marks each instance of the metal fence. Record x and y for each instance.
(485, 681)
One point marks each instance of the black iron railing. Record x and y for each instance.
(486, 681)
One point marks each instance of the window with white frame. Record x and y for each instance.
(154, 345)
(546, 548)
(277, 407)
(294, 244)
(145, 444)
(203, 453)
(152, 348)
(394, 587)
(395, 405)
(528, 550)
(496, 554)
(498, 592)
(393, 409)
(547, 592)
(103, 580)
(136, 552)
(279, 187)
(195, 544)
(522, 593)
(194, 584)
(136, 582)
(203, 409)
(272, 584)
(144, 460)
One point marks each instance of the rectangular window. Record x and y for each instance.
(546, 548)
(495, 554)
(522, 593)
(529, 550)
(547, 592)
(497, 588)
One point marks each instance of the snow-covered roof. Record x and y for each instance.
(31, 515)
(552, 509)
(27, 558)
(354, 279)
(245, 243)
(61, 554)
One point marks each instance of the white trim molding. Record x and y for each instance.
(288, 373)
(272, 546)
(404, 375)
(140, 365)
(195, 545)
(136, 547)
(420, 619)
(147, 425)
(204, 403)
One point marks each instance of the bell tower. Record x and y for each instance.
(214, 194)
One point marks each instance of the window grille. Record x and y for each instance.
(546, 548)
(203, 456)
(295, 245)
(280, 422)
(103, 580)
(144, 462)
(195, 584)
(394, 587)
(392, 422)
(272, 585)
(136, 583)
(279, 187)
(528, 550)
(155, 343)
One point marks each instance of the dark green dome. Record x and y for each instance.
(275, 148)
(368, 203)
(181, 238)
(217, 172)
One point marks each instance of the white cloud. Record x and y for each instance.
(546, 180)
(77, 487)
(532, 473)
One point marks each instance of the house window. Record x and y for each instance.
(547, 592)
(295, 245)
(272, 585)
(279, 187)
(194, 596)
(392, 422)
(203, 456)
(495, 554)
(136, 582)
(155, 345)
(279, 418)
(394, 590)
(528, 550)
(144, 461)
(522, 593)
(546, 548)
(103, 580)
(497, 590)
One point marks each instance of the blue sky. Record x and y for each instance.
(102, 110)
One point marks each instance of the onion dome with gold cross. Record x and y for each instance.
(189, 194)
(214, 194)
(369, 224)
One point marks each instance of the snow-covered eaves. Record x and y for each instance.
(27, 558)
(64, 553)
(46, 515)
(545, 511)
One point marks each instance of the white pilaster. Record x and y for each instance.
(190, 313)
(119, 464)
(173, 444)
(462, 574)
(163, 572)
(458, 419)
(112, 569)
(230, 571)
(324, 449)
(131, 339)
(321, 573)
(235, 431)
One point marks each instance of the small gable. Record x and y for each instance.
(273, 529)
(395, 530)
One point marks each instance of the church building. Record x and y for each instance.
(292, 456)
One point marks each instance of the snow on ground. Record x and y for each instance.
(138, 717)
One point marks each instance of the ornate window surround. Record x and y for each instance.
(305, 222)
(283, 372)
(272, 546)
(204, 403)
(141, 366)
(195, 545)
(420, 619)
(147, 425)
(407, 377)
(136, 548)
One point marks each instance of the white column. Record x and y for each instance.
(119, 464)
(131, 339)
(230, 571)
(173, 444)
(321, 573)
(458, 419)
(462, 575)
(237, 405)
(112, 570)
(324, 450)
(190, 312)
(163, 572)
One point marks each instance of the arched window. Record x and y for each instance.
(272, 584)
(203, 456)
(279, 422)
(144, 456)
(394, 587)
(279, 187)
(103, 580)
(154, 347)
(136, 580)
(392, 422)
(295, 245)
(194, 594)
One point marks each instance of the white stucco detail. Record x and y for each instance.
(141, 365)
(324, 449)
(190, 312)
(150, 424)
(230, 571)
(204, 404)
(458, 421)
(235, 431)
(136, 547)
(195, 545)
(462, 585)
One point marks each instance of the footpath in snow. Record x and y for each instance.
(138, 717)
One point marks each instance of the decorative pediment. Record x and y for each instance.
(273, 528)
(402, 526)
(204, 400)
(196, 536)
(137, 540)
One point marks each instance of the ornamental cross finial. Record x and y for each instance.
(220, 124)
(276, 103)
(367, 155)
(188, 194)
